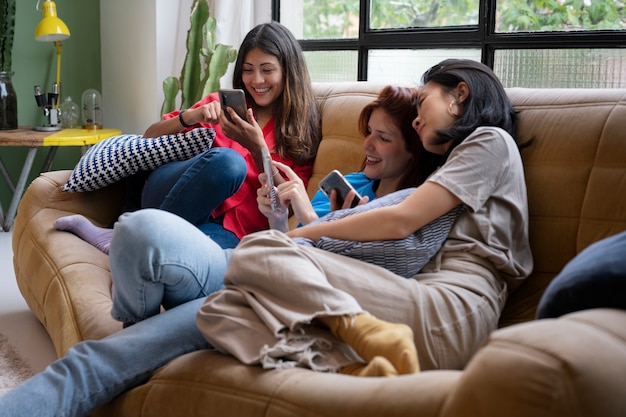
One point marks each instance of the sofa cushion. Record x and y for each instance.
(121, 156)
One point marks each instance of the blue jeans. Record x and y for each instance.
(595, 278)
(154, 256)
(194, 188)
(158, 259)
(94, 372)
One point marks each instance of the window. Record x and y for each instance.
(528, 43)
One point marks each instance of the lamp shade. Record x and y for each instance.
(51, 28)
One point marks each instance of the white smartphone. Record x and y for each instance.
(335, 181)
(235, 99)
(267, 168)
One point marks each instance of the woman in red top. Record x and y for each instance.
(216, 190)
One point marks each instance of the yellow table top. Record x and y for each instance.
(26, 136)
(79, 137)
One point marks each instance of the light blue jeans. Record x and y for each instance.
(94, 372)
(158, 259)
(154, 255)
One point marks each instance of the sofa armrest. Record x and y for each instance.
(571, 366)
(64, 280)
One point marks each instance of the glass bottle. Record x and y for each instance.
(92, 109)
(8, 102)
(70, 112)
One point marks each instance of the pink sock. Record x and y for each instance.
(100, 237)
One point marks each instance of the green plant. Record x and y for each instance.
(205, 63)
(7, 24)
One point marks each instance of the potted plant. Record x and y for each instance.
(205, 63)
(8, 98)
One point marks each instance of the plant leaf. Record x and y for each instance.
(171, 87)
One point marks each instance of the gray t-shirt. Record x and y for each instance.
(486, 173)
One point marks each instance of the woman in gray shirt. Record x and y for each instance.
(290, 305)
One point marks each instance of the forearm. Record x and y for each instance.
(422, 206)
(307, 217)
(281, 224)
(359, 227)
(164, 127)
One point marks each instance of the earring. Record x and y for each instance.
(455, 111)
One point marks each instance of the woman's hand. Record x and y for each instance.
(347, 203)
(207, 113)
(278, 219)
(292, 193)
(247, 132)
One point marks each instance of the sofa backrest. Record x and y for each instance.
(575, 169)
(576, 178)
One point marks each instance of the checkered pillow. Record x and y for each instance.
(118, 157)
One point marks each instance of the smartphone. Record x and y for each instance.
(267, 168)
(335, 181)
(235, 99)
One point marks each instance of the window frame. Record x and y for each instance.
(483, 37)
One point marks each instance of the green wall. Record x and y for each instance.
(34, 62)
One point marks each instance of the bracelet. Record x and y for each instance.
(180, 119)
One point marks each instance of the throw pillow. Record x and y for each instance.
(118, 157)
(595, 278)
(405, 257)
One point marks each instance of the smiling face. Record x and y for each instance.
(262, 76)
(387, 156)
(434, 114)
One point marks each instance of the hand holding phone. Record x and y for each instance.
(335, 181)
(235, 99)
(267, 168)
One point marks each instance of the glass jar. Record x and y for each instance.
(8, 102)
(92, 109)
(70, 112)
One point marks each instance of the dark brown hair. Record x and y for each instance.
(298, 121)
(486, 105)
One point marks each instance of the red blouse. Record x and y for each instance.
(241, 213)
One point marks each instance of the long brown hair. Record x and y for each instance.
(400, 103)
(298, 121)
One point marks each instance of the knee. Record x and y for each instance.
(230, 163)
(233, 160)
(142, 229)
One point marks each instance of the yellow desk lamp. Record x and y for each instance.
(51, 29)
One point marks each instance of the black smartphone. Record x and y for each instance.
(267, 167)
(335, 181)
(235, 99)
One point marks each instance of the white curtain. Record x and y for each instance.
(235, 18)
(134, 67)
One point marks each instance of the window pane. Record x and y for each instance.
(547, 15)
(332, 66)
(321, 19)
(388, 14)
(405, 67)
(562, 68)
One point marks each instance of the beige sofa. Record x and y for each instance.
(571, 366)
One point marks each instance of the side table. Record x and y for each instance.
(26, 136)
